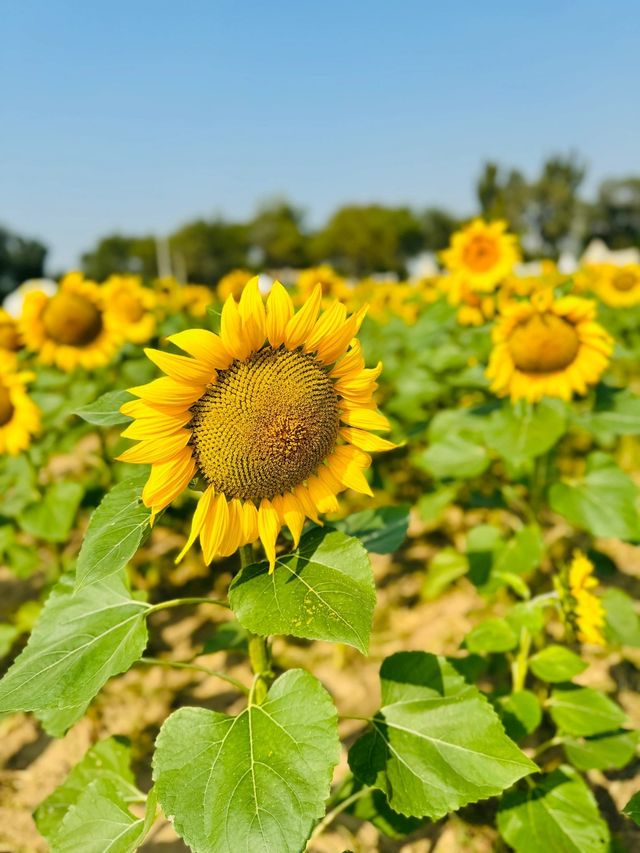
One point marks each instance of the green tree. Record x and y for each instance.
(20, 258)
(437, 227)
(555, 207)
(503, 194)
(121, 254)
(615, 216)
(277, 232)
(208, 250)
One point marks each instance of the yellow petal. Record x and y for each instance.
(251, 310)
(303, 497)
(180, 368)
(321, 495)
(334, 345)
(168, 479)
(156, 425)
(233, 537)
(156, 449)
(168, 392)
(203, 345)
(327, 323)
(365, 419)
(291, 514)
(214, 527)
(352, 361)
(366, 440)
(201, 511)
(268, 529)
(346, 464)
(231, 330)
(301, 324)
(279, 312)
(249, 522)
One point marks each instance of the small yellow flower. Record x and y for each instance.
(10, 338)
(232, 284)
(547, 347)
(482, 253)
(195, 299)
(131, 305)
(586, 613)
(334, 286)
(618, 287)
(19, 415)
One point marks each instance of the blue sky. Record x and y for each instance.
(137, 116)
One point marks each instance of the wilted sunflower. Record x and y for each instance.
(71, 328)
(482, 253)
(618, 286)
(10, 338)
(19, 415)
(131, 305)
(273, 415)
(583, 608)
(546, 347)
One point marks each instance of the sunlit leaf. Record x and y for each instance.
(105, 411)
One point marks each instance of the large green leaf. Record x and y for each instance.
(555, 663)
(258, 781)
(322, 591)
(114, 533)
(602, 752)
(105, 411)
(381, 530)
(52, 517)
(521, 433)
(559, 814)
(604, 502)
(454, 456)
(80, 640)
(623, 623)
(584, 711)
(632, 809)
(436, 743)
(616, 413)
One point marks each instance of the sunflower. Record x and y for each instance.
(10, 338)
(131, 305)
(19, 415)
(334, 286)
(232, 284)
(585, 610)
(546, 347)
(482, 253)
(618, 287)
(474, 309)
(195, 299)
(72, 328)
(273, 416)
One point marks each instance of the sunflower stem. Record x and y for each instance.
(259, 652)
(178, 602)
(174, 664)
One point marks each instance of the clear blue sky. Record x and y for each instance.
(138, 115)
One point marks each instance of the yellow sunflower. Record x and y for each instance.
(72, 328)
(618, 287)
(334, 286)
(474, 309)
(482, 253)
(131, 305)
(19, 415)
(195, 299)
(10, 338)
(273, 415)
(232, 284)
(546, 347)
(586, 610)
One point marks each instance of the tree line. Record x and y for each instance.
(548, 212)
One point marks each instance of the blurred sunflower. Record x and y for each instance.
(274, 414)
(71, 328)
(482, 253)
(195, 299)
(583, 608)
(618, 287)
(10, 338)
(131, 305)
(19, 415)
(474, 309)
(546, 347)
(334, 286)
(232, 284)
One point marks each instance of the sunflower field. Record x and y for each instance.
(323, 564)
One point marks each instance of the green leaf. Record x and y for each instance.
(622, 621)
(555, 663)
(381, 530)
(604, 502)
(8, 635)
(522, 553)
(602, 752)
(17, 485)
(559, 814)
(584, 711)
(229, 636)
(322, 591)
(432, 504)
(374, 808)
(81, 639)
(519, 433)
(632, 809)
(446, 567)
(105, 411)
(108, 759)
(520, 712)
(436, 744)
(52, 517)
(491, 635)
(258, 781)
(454, 457)
(526, 614)
(115, 532)
(618, 413)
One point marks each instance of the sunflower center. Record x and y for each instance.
(6, 406)
(265, 425)
(9, 339)
(624, 281)
(71, 319)
(480, 253)
(544, 343)
(128, 306)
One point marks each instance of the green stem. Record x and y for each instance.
(178, 602)
(259, 654)
(196, 668)
(520, 665)
(333, 814)
(543, 747)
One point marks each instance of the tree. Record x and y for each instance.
(555, 203)
(503, 194)
(360, 240)
(437, 227)
(276, 231)
(120, 254)
(615, 216)
(20, 258)
(208, 250)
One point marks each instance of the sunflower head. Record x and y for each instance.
(10, 338)
(334, 286)
(233, 283)
(547, 347)
(618, 287)
(482, 253)
(19, 415)
(72, 327)
(273, 416)
(131, 305)
(582, 607)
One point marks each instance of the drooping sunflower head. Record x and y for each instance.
(583, 609)
(19, 415)
(72, 327)
(482, 253)
(547, 347)
(131, 305)
(10, 337)
(618, 286)
(273, 416)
